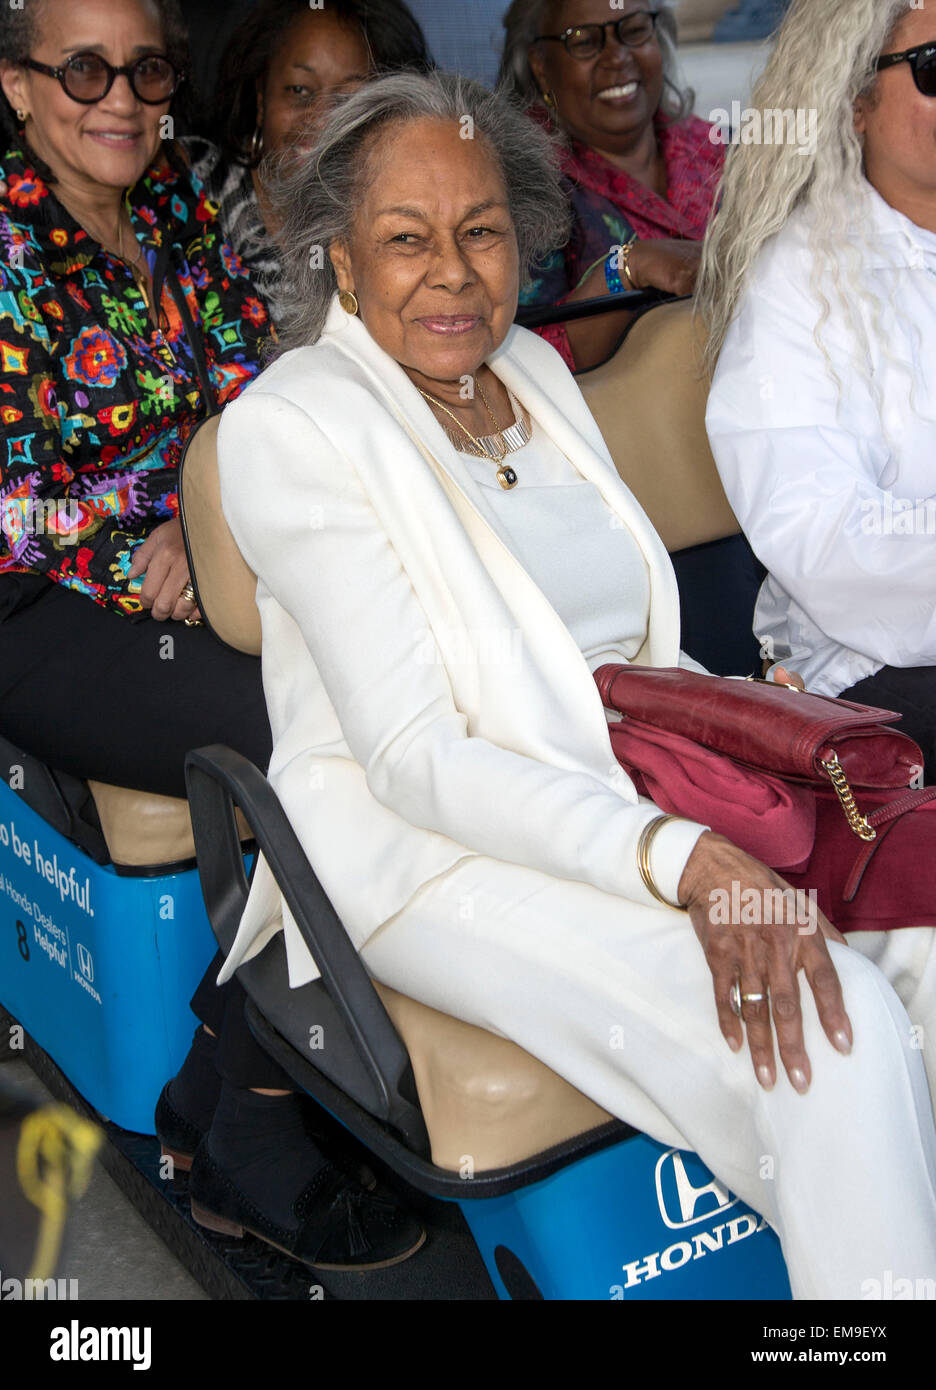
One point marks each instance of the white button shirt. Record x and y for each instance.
(835, 487)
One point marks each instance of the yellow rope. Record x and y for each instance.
(54, 1156)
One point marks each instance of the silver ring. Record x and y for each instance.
(753, 998)
(734, 999)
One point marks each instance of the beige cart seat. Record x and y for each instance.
(649, 400)
(141, 829)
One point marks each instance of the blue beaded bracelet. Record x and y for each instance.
(612, 276)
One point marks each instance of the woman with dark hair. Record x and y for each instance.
(641, 170)
(125, 318)
(278, 78)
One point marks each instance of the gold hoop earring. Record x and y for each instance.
(548, 99)
(348, 301)
(21, 115)
(256, 146)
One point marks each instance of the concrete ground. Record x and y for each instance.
(109, 1249)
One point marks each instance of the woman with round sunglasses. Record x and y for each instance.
(819, 290)
(124, 318)
(641, 170)
(278, 78)
(111, 265)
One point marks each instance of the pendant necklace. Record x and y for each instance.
(493, 447)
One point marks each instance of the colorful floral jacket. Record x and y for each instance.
(96, 403)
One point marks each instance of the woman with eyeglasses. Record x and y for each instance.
(278, 78)
(124, 319)
(641, 170)
(819, 290)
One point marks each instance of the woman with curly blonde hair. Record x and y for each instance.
(818, 291)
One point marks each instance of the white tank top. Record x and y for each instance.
(573, 546)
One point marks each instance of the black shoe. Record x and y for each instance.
(178, 1137)
(339, 1225)
(187, 1103)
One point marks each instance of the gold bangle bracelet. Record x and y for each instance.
(625, 266)
(643, 859)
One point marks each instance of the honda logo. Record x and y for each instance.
(684, 1195)
(85, 962)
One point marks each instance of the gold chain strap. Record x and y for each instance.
(857, 822)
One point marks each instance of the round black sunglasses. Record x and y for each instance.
(922, 64)
(87, 77)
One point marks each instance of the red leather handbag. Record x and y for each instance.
(774, 769)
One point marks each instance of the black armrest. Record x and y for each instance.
(368, 1057)
(543, 315)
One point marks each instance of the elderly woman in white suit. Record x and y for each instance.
(445, 552)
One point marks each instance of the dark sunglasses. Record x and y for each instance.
(922, 64)
(587, 40)
(87, 77)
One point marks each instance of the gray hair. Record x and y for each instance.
(523, 22)
(316, 197)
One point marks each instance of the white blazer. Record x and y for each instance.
(833, 482)
(402, 743)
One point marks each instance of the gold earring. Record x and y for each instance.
(348, 301)
(21, 115)
(548, 99)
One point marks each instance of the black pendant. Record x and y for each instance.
(506, 477)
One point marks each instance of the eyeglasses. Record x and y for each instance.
(87, 77)
(587, 40)
(922, 64)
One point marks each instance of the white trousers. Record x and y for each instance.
(618, 999)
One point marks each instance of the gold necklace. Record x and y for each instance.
(138, 261)
(137, 269)
(505, 474)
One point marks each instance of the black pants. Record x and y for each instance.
(911, 691)
(93, 694)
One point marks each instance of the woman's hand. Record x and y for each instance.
(762, 959)
(672, 266)
(162, 557)
(784, 677)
